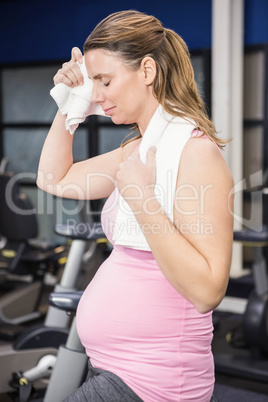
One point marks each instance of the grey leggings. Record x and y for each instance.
(104, 386)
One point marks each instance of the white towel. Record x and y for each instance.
(169, 134)
(75, 103)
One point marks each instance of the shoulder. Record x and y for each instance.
(201, 146)
(202, 156)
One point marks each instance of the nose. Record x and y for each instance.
(96, 96)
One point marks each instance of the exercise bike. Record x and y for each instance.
(24, 261)
(42, 340)
(70, 349)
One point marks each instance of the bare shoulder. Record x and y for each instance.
(202, 156)
(130, 147)
(202, 148)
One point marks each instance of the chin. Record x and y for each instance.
(120, 120)
(115, 120)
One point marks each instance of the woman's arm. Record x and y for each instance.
(57, 174)
(195, 252)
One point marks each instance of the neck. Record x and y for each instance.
(148, 114)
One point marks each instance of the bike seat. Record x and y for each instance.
(67, 301)
(81, 231)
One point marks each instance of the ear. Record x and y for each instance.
(148, 68)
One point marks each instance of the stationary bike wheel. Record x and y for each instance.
(255, 322)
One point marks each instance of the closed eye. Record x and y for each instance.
(106, 84)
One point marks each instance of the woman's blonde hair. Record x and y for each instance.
(134, 35)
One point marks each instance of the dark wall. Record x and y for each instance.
(37, 30)
(256, 22)
(46, 29)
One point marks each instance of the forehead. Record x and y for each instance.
(100, 61)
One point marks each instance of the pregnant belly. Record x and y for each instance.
(128, 299)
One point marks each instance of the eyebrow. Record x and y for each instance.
(100, 75)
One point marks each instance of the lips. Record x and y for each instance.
(108, 110)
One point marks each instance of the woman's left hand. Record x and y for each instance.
(136, 180)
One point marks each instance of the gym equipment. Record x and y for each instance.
(72, 351)
(58, 318)
(22, 256)
(253, 362)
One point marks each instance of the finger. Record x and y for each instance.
(151, 155)
(117, 179)
(61, 78)
(77, 77)
(66, 76)
(72, 72)
(77, 55)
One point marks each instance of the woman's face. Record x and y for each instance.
(122, 93)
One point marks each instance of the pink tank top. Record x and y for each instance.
(133, 323)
